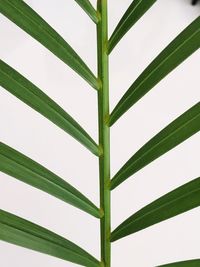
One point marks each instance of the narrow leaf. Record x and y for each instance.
(190, 263)
(20, 232)
(175, 133)
(89, 9)
(28, 20)
(23, 89)
(174, 54)
(135, 11)
(28, 171)
(180, 200)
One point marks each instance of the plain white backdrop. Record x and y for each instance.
(29, 132)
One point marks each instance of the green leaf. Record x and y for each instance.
(28, 171)
(180, 200)
(27, 19)
(18, 231)
(89, 9)
(23, 89)
(190, 263)
(175, 133)
(174, 54)
(135, 11)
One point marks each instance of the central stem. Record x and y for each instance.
(104, 131)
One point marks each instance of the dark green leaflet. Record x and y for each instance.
(174, 54)
(28, 20)
(175, 133)
(23, 89)
(180, 200)
(135, 11)
(26, 234)
(23, 233)
(89, 9)
(28, 171)
(190, 263)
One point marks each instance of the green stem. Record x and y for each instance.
(104, 131)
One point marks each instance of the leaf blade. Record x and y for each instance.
(89, 9)
(134, 12)
(23, 233)
(189, 263)
(27, 19)
(27, 92)
(30, 172)
(184, 45)
(175, 133)
(180, 200)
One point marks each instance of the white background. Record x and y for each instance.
(33, 135)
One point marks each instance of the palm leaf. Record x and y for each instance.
(28, 20)
(89, 9)
(18, 231)
(180, 200)
(135, 11)
(23, 89)
(174, 54)
(176, 132)
(190, 263)
(28, 171)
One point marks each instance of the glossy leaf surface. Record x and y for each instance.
(175, 133)
(26, 91)
(28, 171)
(89, 9)
(28, 20)
(18, 231)
(135, 11)
(174, 54)
(180, 200)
